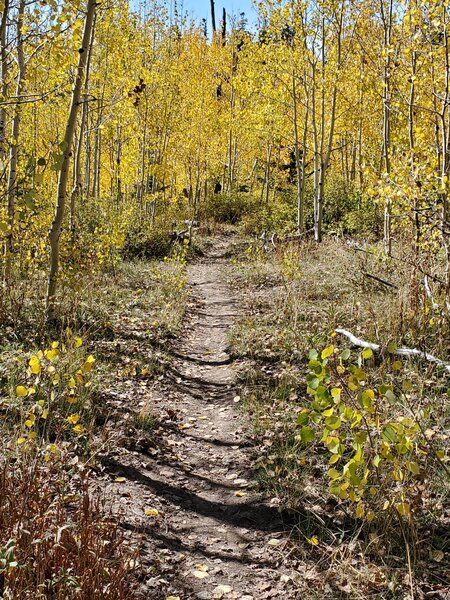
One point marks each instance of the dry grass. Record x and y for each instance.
(333, 290)
(291, 310)
(56, 541)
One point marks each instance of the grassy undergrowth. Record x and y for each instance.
(61, 395)
(352, 441)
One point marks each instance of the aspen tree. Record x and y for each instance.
(4, 78)
(77, 174)
(386, 10)
(14, 146)
(56, 227)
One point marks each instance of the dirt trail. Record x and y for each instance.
(213, 536)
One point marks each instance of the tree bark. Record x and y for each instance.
(387, 26)
(4, 77)
(14, 149)
(213, 18)
(56, 227)
(77, 178)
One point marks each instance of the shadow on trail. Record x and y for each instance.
(217, 442)
(173, 463)
(176, 544)
(248, 515)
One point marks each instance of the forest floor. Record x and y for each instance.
(193, 440)
(185, 484)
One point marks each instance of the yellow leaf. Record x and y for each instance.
(239, 493)
(29, 422)
(120, 479)
(151, 512)
(413, 467)
(201, 571)
(73, 419)
(52, 354)
(353, 383)
(313, 541)
(403, 508)
(78, 342)
(88, 364)
(21, 391)
(328, 351)
(78, 429)
(173, 598)
(35, 365)
(360, 510)
(21, 441)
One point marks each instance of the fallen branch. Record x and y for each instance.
(399, 351)
(354, 246)
(383, 281)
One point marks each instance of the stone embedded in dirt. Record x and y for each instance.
(241, 482)
(220, 591)
(204, 595)
(167, 473)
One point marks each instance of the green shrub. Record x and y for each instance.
(364, 220)
(279, 216)
(229, 207)
(144, 240)
(341, 197)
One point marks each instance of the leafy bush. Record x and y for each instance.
(229, 207)
(341, 197)
(365, 220)
(50, 393)
(345, 209)
(142, 240)
(376, 447)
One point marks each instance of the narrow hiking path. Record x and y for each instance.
(206, 533)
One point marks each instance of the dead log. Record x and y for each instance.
(399, 351)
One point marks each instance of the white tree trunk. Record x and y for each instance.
(56, 227)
